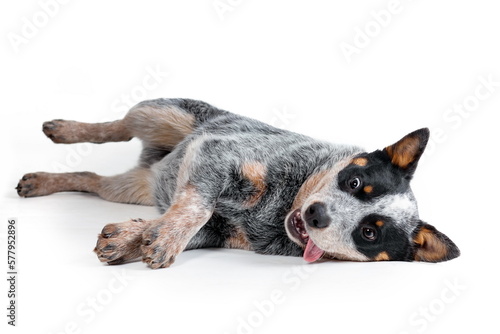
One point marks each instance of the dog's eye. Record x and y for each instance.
(354, 183)
(369, 234)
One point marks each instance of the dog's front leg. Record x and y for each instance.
(169, 235)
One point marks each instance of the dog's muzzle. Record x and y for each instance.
(297, 229)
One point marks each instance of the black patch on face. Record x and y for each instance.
(378, 177)
(389, 238)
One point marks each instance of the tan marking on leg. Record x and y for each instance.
(360, 161)
(69, 132)
(368, 189)
(256, 173)
(238, 240)
(382, 256)
(134, 186)
(169, 235)
(161, 127)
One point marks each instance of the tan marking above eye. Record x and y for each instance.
(360, 161)
(368, 189)
(379, 223)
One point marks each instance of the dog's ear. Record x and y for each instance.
(407, 151)
(430, 245)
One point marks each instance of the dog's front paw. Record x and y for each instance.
(120, 242)
(159, 249)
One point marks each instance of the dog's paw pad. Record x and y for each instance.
(157, 250)
(119, 243)
(56, 130)
(110, 231)
(157, 257)
(30, 185)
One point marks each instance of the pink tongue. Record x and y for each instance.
(312, 252)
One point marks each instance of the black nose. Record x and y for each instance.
(316, 216)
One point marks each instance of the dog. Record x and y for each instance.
(228, 181)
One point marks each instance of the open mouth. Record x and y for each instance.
(297, 229)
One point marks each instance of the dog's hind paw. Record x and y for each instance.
(120, 242)
(61, 131)
(32, 184)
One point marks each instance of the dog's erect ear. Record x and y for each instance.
(432, 245)
(406, 152)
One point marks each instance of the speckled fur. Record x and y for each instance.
(224, 180)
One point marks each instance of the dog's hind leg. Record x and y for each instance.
(70, 132)
(161, 123)
(132, 187)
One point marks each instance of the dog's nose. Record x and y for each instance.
(316, 215)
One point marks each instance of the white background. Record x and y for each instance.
(280, 62)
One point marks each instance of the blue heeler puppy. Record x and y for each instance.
(224, 180)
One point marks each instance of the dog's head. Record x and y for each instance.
(363, 209)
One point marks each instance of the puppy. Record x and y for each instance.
(224, 180)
